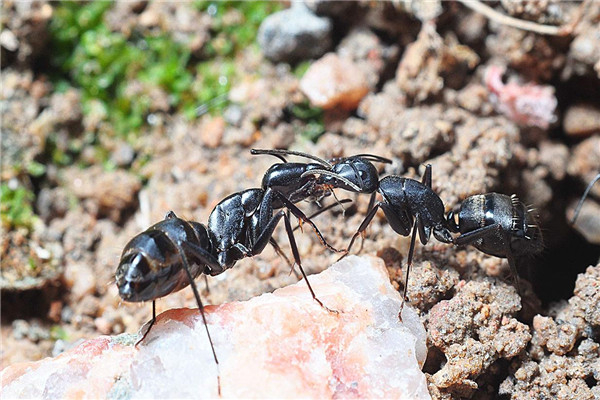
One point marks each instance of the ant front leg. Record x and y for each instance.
(362, 227)
(292, 239)
(301, 216)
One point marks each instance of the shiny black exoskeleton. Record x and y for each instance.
(305, 181)
(498, 225)
(152, 263)
(409, 206)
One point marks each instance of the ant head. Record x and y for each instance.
(357, 170)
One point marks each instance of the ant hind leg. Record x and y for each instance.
(152, 321)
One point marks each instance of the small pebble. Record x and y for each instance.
(582, 120)
(333, 81)
(294, 34)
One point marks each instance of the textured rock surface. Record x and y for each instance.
(564, 358)
(276, 345)
(334, 81)
(294, 34)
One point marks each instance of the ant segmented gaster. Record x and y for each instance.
(498, 225)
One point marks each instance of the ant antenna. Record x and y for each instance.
(585, 194)
(374, 157)
(333, 175)
(279, 153)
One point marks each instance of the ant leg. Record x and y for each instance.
(204, 256)
(585, 194)
(282, 255)
(487, 231)
(409, 261)
(426, 180)
(362, 227)
(290, 232)
(206, 284)
(513, 270)
(322, 210)
(152, 321)
(186, 267)
(479, 233)
(300, 215)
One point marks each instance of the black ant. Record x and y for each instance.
(172, 253)
(494, 223)
(409, 206)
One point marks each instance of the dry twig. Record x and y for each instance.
(494, 15)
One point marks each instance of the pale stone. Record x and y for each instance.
(278, 345)
(334, 81)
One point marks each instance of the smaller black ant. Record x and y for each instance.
(498, 225)
(585, 194)
(409, 206)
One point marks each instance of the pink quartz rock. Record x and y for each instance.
(525, 104)
(334, 81)
(281, 344)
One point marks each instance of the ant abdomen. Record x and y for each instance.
(517, 232)
(151, 265)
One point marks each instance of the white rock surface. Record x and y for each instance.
(278, 345)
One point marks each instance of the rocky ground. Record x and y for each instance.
(492, 107)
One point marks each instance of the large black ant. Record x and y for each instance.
(172, 253)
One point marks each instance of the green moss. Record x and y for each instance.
(103, 63)
(16, 207)
(57, 332)
(313, 119)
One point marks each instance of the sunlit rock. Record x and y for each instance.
(281, 344)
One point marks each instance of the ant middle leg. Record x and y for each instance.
(266, 233)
